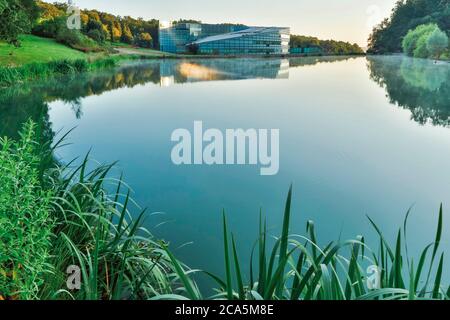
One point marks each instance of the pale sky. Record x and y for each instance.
(349, 20)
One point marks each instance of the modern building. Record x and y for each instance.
(255, 40)
(174, 38)
(223, 39)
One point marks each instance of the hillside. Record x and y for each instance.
(35, 49)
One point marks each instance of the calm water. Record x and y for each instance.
(360, 136)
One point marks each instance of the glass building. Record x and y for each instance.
(224, 39)
(256, 40)
(174, 38)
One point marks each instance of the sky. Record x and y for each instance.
(348, 20)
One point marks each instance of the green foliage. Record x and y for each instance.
(26, 218)
(62, 216)
(437, 43)
(421, 50)
(56, 28)
(329, 47)
(112, 28)
(16, 17)
(298, 268)
(425, 41)
(33, 71)
(421, 33)
(118, 258)
(407, 15)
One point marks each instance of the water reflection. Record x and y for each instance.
(31, 100)
(419, 85)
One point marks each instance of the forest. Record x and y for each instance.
(387, 37)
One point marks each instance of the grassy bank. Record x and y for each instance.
(55, 216)
(33, 71)
(40, 58)
(36, 50)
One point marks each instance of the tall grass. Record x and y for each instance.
(67, 217)
(297, 268)
(13, 75)
(26, 221)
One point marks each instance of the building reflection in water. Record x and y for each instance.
(173, 72)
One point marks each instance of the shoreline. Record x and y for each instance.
(11, 76)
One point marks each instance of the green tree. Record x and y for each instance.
(411, 40)
(407, 15)
(421, 50)
(437, 43)
(16, 17)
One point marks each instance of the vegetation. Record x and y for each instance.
(16, 17)
(99, 26)
(407, 15)
(56, 216)
(33, 71)
(35, 50)
(328, 47)
(297, 268)
(64, 216)
(26, 219)
(426, 41)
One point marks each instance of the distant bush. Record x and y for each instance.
(437, 43)
(425, 41)
(96, 35)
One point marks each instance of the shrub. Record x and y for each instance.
(425, 41)
(421, 50)
(437, 43)
(96, 35)
(25, 219)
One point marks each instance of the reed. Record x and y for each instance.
(296, 267)
(63, 216)
(33, 71)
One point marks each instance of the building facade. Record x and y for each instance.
(223, 39)
(251, 41)
(174, 38)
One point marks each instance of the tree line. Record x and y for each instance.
(99, 26)
(407, 15)
(329, 47)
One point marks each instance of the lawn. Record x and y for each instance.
(36, 49)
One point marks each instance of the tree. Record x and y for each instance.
(417, 38)
(145, 40)
(96, 35)
(127, 36)
(16, 17)
(437, 43)
(407, 15)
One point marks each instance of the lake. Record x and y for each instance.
(358, 136)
